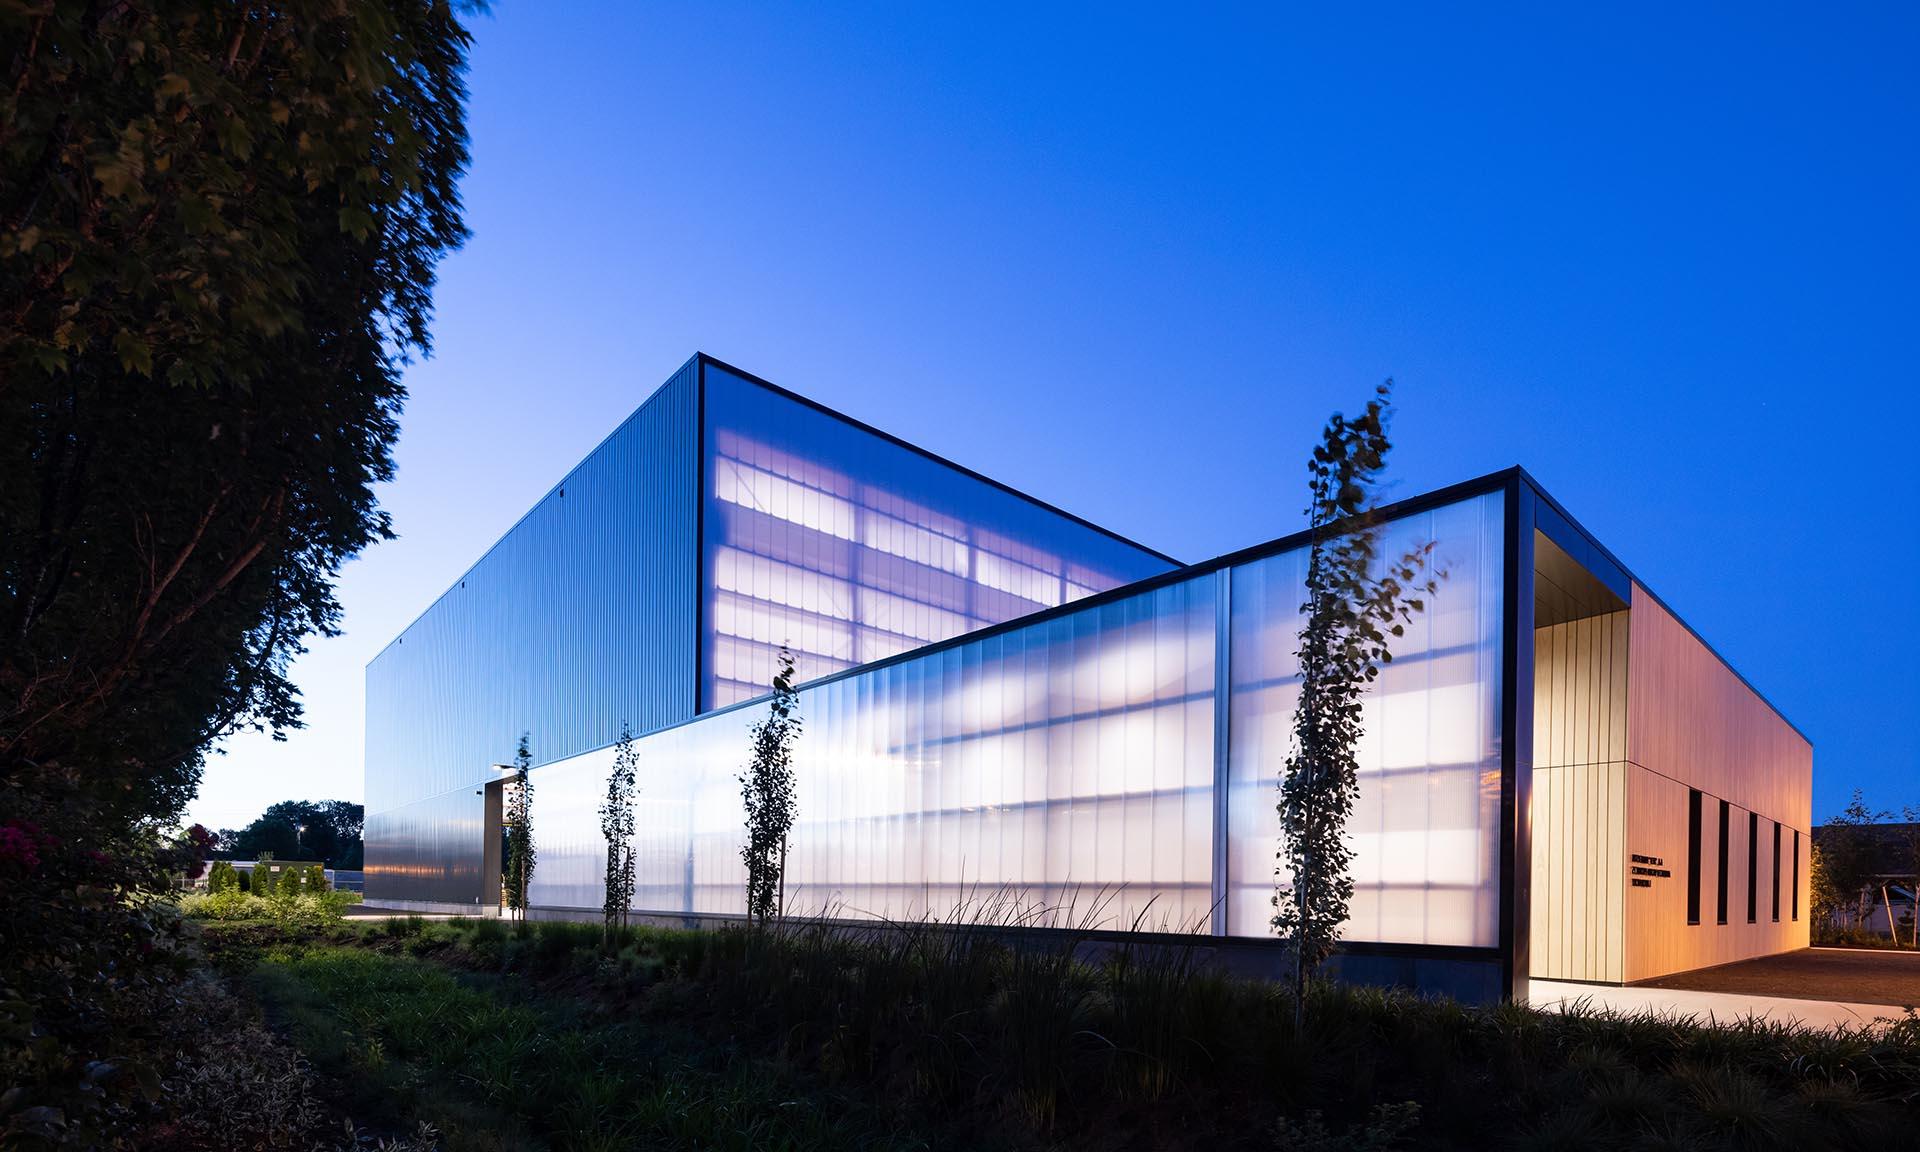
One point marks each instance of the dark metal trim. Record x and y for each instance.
(699, 534)
(933, 456)
(1516, 740)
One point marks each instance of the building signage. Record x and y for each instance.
(1645, 868)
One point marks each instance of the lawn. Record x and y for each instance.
(533, 1036)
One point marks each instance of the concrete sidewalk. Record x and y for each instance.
(1710, 1007)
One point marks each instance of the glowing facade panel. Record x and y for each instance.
(1073, 762)
(1075, 756)
(848, 547)
(1425, 828)
(723, 519)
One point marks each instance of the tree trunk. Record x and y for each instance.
(780, 896)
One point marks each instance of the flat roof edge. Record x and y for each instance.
(1540, 491)
(883, 434)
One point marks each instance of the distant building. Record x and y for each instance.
(1561, 780)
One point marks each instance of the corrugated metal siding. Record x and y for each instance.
(580, 618)
(427, 851)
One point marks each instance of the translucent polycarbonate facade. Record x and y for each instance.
(1425, 828)
(849, 548)
(1073, 755)
(1075, 761)
(723, 518)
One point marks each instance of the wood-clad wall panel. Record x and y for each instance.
(1689, 717)
(1579, 837)
(1693, 724)
(1580, 691)
(1579, 799)
(1658, 938)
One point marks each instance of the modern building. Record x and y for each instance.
(1560, 779)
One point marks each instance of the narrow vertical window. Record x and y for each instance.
(1720, 891)
(1693, 857)
(1796, 873)
(1776, 871)
(1753, 867)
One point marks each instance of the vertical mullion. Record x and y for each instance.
(1222, 736)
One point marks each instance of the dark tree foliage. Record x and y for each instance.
(1908, 860)
(219, 225)
(1355, 605)
(328, 831)
(1849, 861)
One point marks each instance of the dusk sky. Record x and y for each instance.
(1129, 263)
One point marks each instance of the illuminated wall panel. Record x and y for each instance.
(1073, 761)
(849, 547)
(1425, 829)
(721, 520)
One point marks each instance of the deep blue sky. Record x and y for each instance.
(1129, 263)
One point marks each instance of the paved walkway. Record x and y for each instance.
(1855, 975)
(1720, 1007)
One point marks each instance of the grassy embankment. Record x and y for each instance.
(507, 1036)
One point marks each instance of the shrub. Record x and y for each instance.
(226, 904)
(301, 910)
(401, 927)
(223, 878)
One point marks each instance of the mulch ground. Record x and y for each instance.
(1857, 975)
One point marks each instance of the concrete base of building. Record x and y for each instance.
(430, 907)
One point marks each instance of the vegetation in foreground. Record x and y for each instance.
(533, 1035)
(218, 247)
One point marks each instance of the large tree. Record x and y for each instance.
(328, 831)
(219, 226)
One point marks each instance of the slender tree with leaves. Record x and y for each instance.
(519, 819)
(617, 825)
(769, 793)
(1354, 606)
